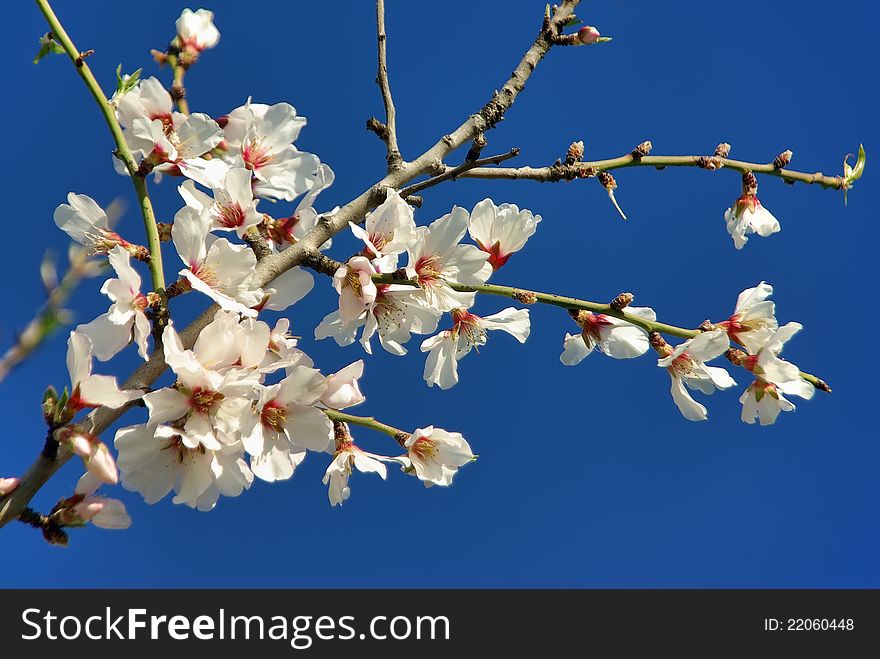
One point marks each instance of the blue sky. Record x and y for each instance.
(588, 476)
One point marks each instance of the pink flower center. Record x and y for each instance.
(592, 325)
(205, 273)
(255, 155)
(428, 270)
(229, 216)
(496, 258)
(203, 400)
(423, 448)
(274, 415)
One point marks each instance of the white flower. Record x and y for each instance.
(612, 336)
(435, 257)
(155, 460)
(357, 292)
(282, 351)
(233, 207)
(95, 455)
(398, 312)
(89, 390)
(764, 398)
(468, 331)
(85, 222)
(196, 29)
(304, 217)
(101, 511)
(748, 216)
(347, 456)
(342, 387)
(210, 403)
(286, 289)
(388, 230)
(262, 135)
(753, 321)
(112, 331)
(437, 454)
(177, 149)
(285, 421)
(686, 366)
(147, 100)
(214, 266)
(501, 230)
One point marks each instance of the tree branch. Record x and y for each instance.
(389, 135)
(455, 172)
(272, 266)
(122, 150)
(588, 169)
(366, 422)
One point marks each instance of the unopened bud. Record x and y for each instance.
(525, 297)
(642, 149)
(575, 153)
(164, 229)
(588, 35)
(735, 356)
(783, 159)
(159, 56)
(607, 180)
(7, 485)
(622, 301)
(50, 403)
(722, 150)
(707, 326)
(402, 438)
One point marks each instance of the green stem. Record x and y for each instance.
(575, 303)
(366, 422)
(122, 150)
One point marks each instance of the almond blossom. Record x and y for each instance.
(88, 390)
(209, 404)
(85, 222)
(263, 136)
(436, 256)
(154, 460)
(346, 457)
(284, 420)
(101, 511)
(214, 266)
(753, 320)
(397, 313)
(747, 216)
(468, 331)
(112, 331)
(436, 454)
(95, 455)
(148, 99)
(343, 390)
(501, 230)
(388, 230)
(354, 283)
(232, 208)
(196, 30)
(304, 217)
(687, 369)
(765, 398)
(615, 337)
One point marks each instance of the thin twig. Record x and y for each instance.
(455, 172)
(588, 169)
(395, 160)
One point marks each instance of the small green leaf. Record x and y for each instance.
(125, 82)
(48, 46)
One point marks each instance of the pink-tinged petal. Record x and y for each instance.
(7, 485)
(343, 389)
(98, 390)
(112, 516)
(108, 338)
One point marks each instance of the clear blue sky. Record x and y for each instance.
(587, 476)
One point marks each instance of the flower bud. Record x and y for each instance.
(7, 485)
(722, 150)
(642, 149)
(575, 152)
(622, 301)
(588, 35)
(783, 159)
